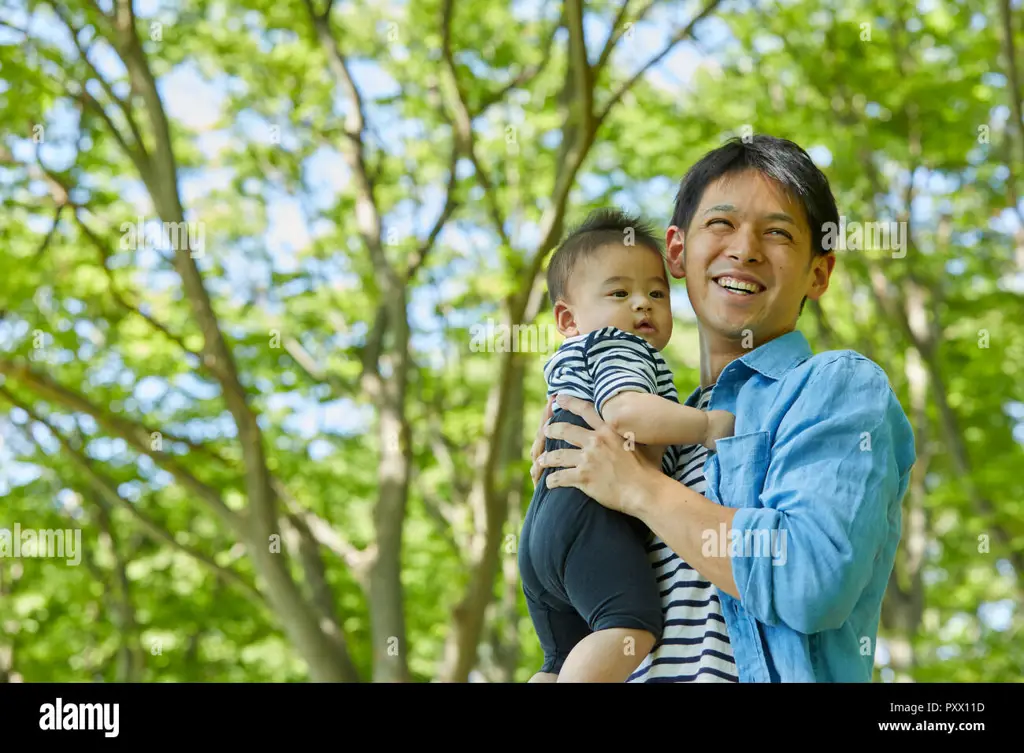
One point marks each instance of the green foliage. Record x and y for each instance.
(259, 122)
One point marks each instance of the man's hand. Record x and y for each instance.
(653, 453)
(602, 468)
(538, 443)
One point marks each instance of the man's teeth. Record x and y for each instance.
(731, 283)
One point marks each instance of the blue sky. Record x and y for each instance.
(197, 105)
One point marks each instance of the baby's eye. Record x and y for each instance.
(657, 294)
(620, 293)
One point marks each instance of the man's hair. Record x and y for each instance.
(779, 159)
(601, 227)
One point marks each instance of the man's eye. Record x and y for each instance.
(780, 230)
(716, 219)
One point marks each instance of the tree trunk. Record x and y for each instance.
(506, 642)
(326, 656)
(7, 673)
(489, 508)
(1013, 78)
(324, 652)
(386, 593)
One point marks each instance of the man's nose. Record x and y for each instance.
(746, 247)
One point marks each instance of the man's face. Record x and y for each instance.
(619, 286)
(747, 259)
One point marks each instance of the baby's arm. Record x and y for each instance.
(655, 420)
(626, 372)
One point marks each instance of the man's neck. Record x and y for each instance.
(717, 352)
(715, 355)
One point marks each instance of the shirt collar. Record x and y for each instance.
(773, 359)
(776, 357)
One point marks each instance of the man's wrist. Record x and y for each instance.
(643, 501)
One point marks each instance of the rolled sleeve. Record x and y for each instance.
(833, 477)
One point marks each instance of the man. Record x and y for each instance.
(773, 552)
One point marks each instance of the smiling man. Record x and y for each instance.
(774, 551)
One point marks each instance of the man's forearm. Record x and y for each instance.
(684, 520)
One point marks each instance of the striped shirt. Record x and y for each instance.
(695, 644)
(606, 362)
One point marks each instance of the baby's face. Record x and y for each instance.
(620, 286)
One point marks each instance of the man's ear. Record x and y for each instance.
(565, 321)
(675, 252)
(821, 271)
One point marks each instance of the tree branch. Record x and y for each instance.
(368, 220)
(582, 103)
(52, 231)
(526, 75)
(217, 355)
(678, 37)
(98, 244)
(136, 435)
(370, 378)
(529, 298)
(136, 155)
(307, 363)
(324, 533)
(462, 120)
(106, 489)
(1012, 74)
(616, 32)
(321, 595)
(450, 204)
(122, 104)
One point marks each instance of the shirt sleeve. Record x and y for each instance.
(619, 362)
(838, 469)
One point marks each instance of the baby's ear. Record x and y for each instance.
(565, 321)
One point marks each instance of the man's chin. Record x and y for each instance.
(742, 330)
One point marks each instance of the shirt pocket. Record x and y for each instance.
(742, 468)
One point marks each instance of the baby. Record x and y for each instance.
(589, 587)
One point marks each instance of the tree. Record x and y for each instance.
(274, 313)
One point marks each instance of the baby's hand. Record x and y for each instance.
(721, 424)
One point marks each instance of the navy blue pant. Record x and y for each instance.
(584, 567)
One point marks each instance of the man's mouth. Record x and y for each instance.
(737, 286)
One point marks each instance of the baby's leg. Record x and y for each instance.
(610, 582)
(585, 569)
(610, 655)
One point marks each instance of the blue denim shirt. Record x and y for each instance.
(816, 470)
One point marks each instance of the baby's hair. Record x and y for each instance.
(600, 228)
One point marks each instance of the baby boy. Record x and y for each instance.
(589, 587)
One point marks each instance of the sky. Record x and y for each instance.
(195, 103)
